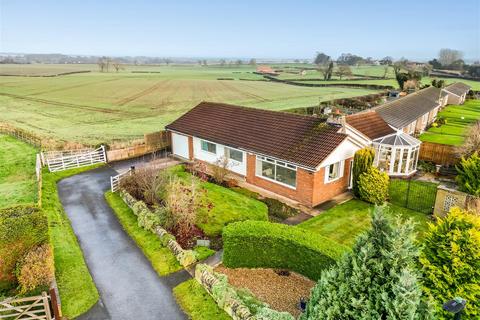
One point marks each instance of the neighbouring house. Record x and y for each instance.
(413, 113)
(457, 92)
(266, 70)
(296, 156)
(396, 152)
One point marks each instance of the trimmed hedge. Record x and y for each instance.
(260, 244)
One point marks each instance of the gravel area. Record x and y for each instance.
(281, 292)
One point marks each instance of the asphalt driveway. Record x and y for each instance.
(128, 285)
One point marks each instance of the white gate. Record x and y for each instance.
(77, 159)
(115, 180)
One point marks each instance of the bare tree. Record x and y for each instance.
(220, 169)
(385, 71)
(447, 56)
(167, 61)
(239, 62)
(252, 62)
(116, 65)
(101, 64)
(343, 70)
(472, 141)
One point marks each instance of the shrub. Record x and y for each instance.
(147, 184)
(373, 186)
(468, 176)
(220, 169)
(279, 209)
(36, 269)
(263, 244)
(450, 260)
(21, 229)
(426, 166)
(377, 280)
(362, 161)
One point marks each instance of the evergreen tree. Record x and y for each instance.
(377, 280)
(450, 261)
(362, 161)
(468, 177)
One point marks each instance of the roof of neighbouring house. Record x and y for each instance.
(458, 88)
(302, 140)
(403, 111)
(370, 124)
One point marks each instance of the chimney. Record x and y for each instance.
(338, 119)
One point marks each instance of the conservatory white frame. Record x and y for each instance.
(399, 158)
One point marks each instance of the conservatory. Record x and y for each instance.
(397, 154)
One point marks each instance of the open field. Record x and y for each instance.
(459, 118)
(107, 106)
(366, 71)
(18, 184)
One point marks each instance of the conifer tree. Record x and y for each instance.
(362, 161)
(377, 280)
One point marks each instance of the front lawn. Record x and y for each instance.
(413, 194)
(18, 184)
(197, 303)
(459, 118)
(226, 206)
(343, 223)
(161, 258)
(75, 285)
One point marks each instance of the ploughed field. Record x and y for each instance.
(99, 107)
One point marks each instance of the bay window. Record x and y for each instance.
(277, 171)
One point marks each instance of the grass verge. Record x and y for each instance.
(18, 184)
(343, 223)
(75, 285)
(161, 258)
(197, 303)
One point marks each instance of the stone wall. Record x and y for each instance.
(448, 198)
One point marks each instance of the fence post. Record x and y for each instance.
(111, 184)
(57, 312)
(408, 193)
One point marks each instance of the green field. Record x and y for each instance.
(357, 71)
(103, 107)
(18, 184)
(459, 118)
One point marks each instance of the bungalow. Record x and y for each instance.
(457, 92)
(396, 152)
(299, 157)
(412, 114)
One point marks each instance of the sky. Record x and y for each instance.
(262, 29)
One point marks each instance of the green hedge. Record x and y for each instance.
(260, 244)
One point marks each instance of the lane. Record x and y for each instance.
(128, 285)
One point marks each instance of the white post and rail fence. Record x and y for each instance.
(116, 180)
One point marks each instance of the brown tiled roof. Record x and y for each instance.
(458, 88)
(403, 111)
(302, 140)
(370, 124)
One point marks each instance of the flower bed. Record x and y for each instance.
(149, 221)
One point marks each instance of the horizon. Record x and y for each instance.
(239, 30)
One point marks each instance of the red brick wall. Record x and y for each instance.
(324, 192)
(303, 192)
(190, 147)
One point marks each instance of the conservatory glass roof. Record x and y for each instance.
(398, 139)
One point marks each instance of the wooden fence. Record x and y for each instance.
(20, 134)
(41, 307)
(152, 142)
(438, 153)
(76, 160)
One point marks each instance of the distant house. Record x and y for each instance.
(413, 113)
(266, 70)
(457, 92)
(296, 156)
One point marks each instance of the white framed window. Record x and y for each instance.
(334, 171)
(234, 154)
(208, 146)
(277, 171)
